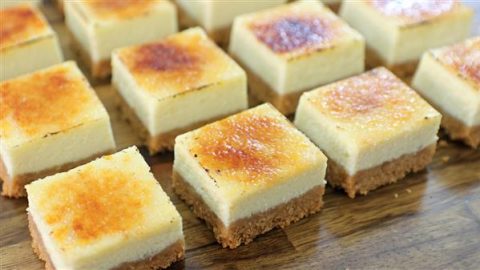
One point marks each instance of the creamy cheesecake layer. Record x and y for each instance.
(248, 163)
(9, 3)
(366, 120)
(25, 32)
(297, 46)
(215, 15)
(179, 81)
(50, 118)
(91, 222)
(400, 31)
(447, 90)
(101, 29)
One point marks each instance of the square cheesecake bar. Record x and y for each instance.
(449, 78)
(50, 121)
(398, 32)
(249, 173)
(108, 214)
(216, 17)
(373, 128)
(174, 85)
(24, 32)
(292, 48)
(98, 27)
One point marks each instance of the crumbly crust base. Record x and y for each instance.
(98, 70)
(404, 71)
(260, 91)
(335, 7)
(158, 143)
(456, 130)
(220, 36)
(387, 173)
(243, 231)
(14, 187)
(164, 259)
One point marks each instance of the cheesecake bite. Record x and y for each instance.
(216, 17)
(398, 32)
(174, 85)
(373, 128)
(24, 32)
(98, 27)
(249, 173)
(449, 78)
(50, 121)
(292, 48)
(108, 214)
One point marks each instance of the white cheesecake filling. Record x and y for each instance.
(446, 90)
(100, 39)
(215, 15)
(396, 43)
(130, 250)
(184, 109)
(9, 3)
(342, 147)
(25, 58)
(229, 210)
(57, 149)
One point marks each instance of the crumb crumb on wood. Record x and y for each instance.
(445, 158)
(395, 195)
(408, 190)
(442, 143)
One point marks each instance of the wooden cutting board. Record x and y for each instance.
(430, 220)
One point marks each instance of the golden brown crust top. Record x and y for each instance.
(464, 58)
(251, 148)
(177, 64)
(294, 32)
(375, 99)
(414, 11)
(119, 9)
(19, 24)
(93, 203)
(53, 98)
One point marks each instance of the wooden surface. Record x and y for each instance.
(430, 220)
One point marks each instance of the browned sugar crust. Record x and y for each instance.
(260, 91)
(243, 231)
(157, 143)
(164, 259)
(14, 187)
(98, 70)
(457, 130)
(389, 172)
(220, 36)
(404, 71)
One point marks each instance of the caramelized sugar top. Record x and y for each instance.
(252, 148)
(464, 58)
(119, 9)
(414, 11)
(49, 101)
(19, 24)
(177, 64)
(94, 202)
(375, 99)
(290, 33)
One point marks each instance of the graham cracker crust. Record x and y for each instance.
(220, 36)
(456, 130)
(164, 259)
(157, 143)
(259, 91)
(404, 71)
(389, 172)
(335, 7)
(15, 187)
(243, 231)
(98, 70)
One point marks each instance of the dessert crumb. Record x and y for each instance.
(442, 143)
(395, 195)
(445, 158)
(408, 190)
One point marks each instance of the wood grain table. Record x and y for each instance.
(430, 220)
